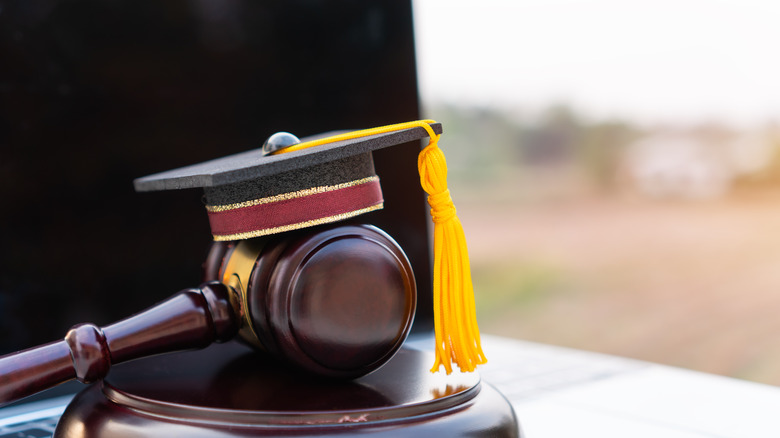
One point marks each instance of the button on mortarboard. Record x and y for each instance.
(279, 141)
(252, 194)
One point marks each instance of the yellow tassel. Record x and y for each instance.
(455, 321)
(454, 313)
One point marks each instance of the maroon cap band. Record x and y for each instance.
(291, 211)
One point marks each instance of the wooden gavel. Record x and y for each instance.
(336, 301)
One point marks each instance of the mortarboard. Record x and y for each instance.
(290, 184)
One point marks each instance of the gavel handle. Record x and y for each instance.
(192, 318)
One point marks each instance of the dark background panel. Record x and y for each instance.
(96, 93)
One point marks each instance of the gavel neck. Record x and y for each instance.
(192, 318)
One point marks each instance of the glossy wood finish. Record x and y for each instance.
(229, 391)
(337, 301)
(34, 370)
(193, 318)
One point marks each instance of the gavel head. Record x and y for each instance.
(337, 301)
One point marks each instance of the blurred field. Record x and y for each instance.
(694, 284)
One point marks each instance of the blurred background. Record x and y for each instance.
(616, 166)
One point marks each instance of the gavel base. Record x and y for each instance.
(227, 390)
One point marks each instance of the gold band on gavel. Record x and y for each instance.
(237, 274)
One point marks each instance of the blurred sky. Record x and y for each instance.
(647, 61)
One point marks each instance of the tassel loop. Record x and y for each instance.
(432, 166)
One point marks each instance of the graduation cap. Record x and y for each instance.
(290, 184)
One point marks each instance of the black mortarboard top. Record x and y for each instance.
(287, 186)
(255, 193)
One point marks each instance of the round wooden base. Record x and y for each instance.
(228, 391)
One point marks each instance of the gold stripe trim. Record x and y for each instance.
(297, 226)
(290, 195)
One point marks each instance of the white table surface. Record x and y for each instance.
(569, 393)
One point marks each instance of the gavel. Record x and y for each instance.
(336, 301)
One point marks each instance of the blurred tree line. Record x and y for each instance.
(484, 145)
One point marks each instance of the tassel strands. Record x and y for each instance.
(457, 333)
